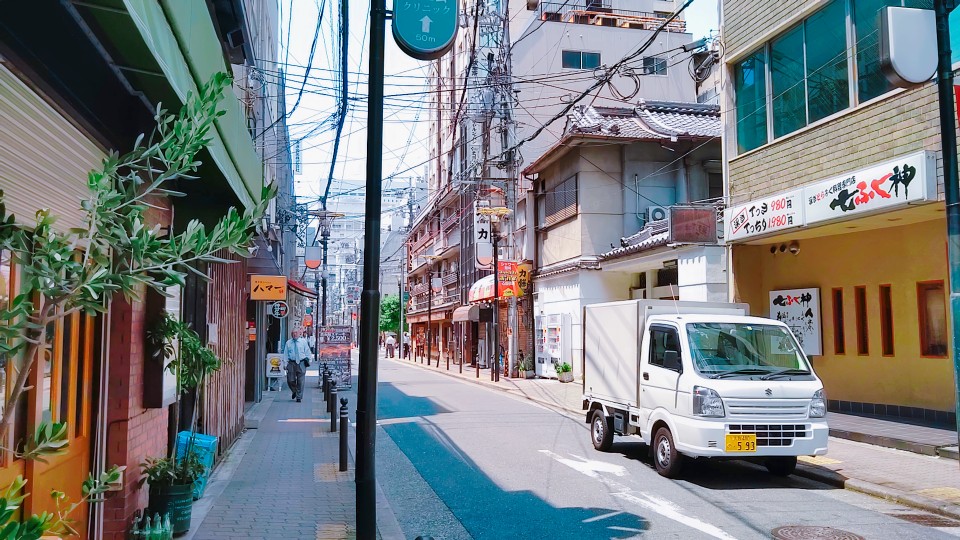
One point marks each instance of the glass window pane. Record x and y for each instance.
(751, 89)
(68, 359)
(827, 84)
(46, 375)
(786, 78)
(570, 59)
(6, 288)
(933, 324)
(591, 60)
(870, 80)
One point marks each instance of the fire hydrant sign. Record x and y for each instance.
(425, 29)
(268, 287)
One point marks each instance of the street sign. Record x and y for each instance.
(425, 29)
(279, 309)
(268, 287)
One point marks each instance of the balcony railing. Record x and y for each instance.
(595, 12)
(450, 279)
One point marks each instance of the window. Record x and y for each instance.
(827, 85)
(655, 65)
(839, 338)
(933, 319)
(662, 339)
(714, 185)
(750, 83)
(787, 83)
(579, 60)
(860, 308)
(886, 321)
(866, 19)
(560, 202)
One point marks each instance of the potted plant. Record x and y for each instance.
(525, 366)
(565, 372)
(171, 487)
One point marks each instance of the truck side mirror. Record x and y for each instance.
(671, 360)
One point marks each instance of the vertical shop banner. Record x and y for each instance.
(799, 309)
(335, 352)
(482, 239)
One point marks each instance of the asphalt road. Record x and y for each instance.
(458, 461)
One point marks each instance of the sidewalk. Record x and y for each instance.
(891, 460)
(281, 480)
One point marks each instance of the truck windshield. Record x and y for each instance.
(729, 349)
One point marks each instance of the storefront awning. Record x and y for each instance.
(482, 290)
(301, 289)
(466, 313)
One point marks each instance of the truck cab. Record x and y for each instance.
(710, 383)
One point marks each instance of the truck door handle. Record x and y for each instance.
(646, 376)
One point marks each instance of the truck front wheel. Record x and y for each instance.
(665, 456)
(601, 431)
(781, 465)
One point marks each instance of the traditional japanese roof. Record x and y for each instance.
(652, 235)
(648, 121)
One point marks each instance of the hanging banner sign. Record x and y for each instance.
(268, 287)
(482, 238)
(279, 309)
(523, 277)
(799, 309)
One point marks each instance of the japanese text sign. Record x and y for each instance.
(764, 216)
(911, 178)
(425, 29)
(482, 237)
(799, 309)
(693, 225)
(268, 287)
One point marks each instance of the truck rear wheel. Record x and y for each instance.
(601, 431)
(781, 465)
(665, 456)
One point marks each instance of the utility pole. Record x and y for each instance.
(370, 298)
(507, 140)
(951, 182)
(495, 233)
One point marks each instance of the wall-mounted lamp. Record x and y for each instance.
(793, 247)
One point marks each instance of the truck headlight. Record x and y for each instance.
(818, 405)
(707, 402)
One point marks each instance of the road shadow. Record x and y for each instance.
(482, 507)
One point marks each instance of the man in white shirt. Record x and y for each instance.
(391, 343)
(297, 353)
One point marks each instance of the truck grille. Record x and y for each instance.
(767, 409)
(771, 434)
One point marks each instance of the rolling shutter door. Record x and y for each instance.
(44, 159)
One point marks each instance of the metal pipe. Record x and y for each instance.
(951, 187)
(344, 423)
(370, 298)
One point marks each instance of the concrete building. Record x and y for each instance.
(626, 207)
(836, 201)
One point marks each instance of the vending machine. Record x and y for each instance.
(553, 344)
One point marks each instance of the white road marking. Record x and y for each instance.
(665, 508)
(604, 516)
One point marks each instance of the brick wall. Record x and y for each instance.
(134, 432)
(746, 20)
(902, 123)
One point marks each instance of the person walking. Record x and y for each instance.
(405, 351)
(391, 343)
(297, 353)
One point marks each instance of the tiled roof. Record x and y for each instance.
(648, 120)
(651, 236)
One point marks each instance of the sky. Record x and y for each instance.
(406, 126)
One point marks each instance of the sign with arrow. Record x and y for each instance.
(425, 29)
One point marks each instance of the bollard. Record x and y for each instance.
(343, 434)
(331, 396)
(333, 410)
(326, 384)
(322, 368)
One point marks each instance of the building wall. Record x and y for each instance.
(600, 197)
(134, 432)
(909, 254)
(742, 18)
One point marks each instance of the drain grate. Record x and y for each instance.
(928, 520)
(806, 532)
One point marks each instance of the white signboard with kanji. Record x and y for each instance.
(799, 309)
(763, 216)
(482, 236)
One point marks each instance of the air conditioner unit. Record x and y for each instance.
(656, 213)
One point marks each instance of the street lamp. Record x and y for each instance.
(326, 219)
(496, 213)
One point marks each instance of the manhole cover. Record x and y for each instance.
(804, 532)
(928, 520)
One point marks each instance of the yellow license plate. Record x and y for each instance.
(741, 443)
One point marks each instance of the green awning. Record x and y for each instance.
(173, 51)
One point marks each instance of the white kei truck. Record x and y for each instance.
(700, 380)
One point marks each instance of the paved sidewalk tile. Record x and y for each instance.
(288, 484)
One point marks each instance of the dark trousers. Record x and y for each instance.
(295, 377)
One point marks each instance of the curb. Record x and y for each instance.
(831, 478)
(811, 472)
